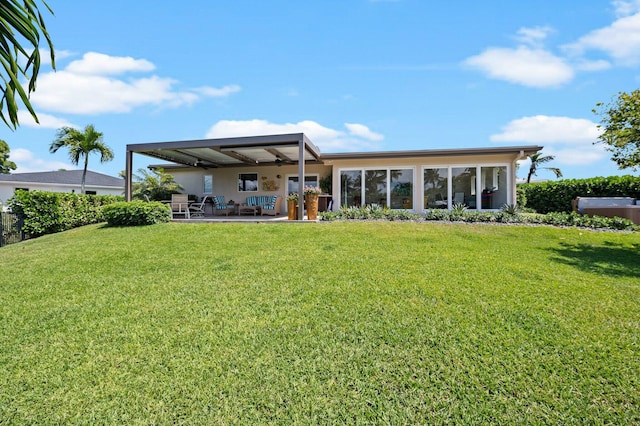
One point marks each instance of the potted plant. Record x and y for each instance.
(292, 206)
(311, 198)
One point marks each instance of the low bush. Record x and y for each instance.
(136, 213)
(509, 214)
(48, 212)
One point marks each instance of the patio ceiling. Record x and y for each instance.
(233, 152)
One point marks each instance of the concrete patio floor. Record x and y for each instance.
(240, 219)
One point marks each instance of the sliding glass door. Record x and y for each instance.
(436, 190)
(392, 188)
(444, 187)
(351, 188)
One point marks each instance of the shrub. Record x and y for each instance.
(136, 213)
(48, 212)
(556, 196)
(510, 214)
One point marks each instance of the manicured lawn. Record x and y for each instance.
(339, 323)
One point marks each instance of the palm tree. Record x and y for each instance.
(20, 22)
(81, 144)
(536, 160)
(156, 186)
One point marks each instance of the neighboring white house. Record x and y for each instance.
(59, 181)
(419, 180)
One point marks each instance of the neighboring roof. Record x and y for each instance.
(284, 149)
(64, 177)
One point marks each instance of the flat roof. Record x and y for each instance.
(449, 152)
(286, 149)
(236, 151)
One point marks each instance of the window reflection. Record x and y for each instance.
(402, 189)
(351, 188)
(463, 186)
(248, 182)
(435, 188)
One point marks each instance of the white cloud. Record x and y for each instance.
(586, 65)
(46, 121)
(533, 36)
(90, 86)
(26, 162)
(93, 63)
(626, 8)
(620, 40)
(93, 94)
(363, 131)
(523, 65)
(569, 139)
(327, 139)
(544, 129)
(218, 92)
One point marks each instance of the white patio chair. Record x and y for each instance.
(197, 209)
(180, 205)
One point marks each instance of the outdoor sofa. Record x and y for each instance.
(265, 204)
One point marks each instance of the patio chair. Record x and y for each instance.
(197, 209)
(220, 206)
(180, 205)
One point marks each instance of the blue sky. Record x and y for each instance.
(354, 75)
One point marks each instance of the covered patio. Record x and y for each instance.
(270, 150)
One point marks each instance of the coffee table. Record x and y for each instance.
(248, 209)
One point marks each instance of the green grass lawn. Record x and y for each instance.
(327, 323)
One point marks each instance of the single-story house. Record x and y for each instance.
(480, 178)
(59, 181)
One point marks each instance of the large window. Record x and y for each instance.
(207, 184)
(248, 182)
(435, 188)
(463, 186)
(391, 188)
(375, 187)
(477, 187)
(494, 187)
(293, 183)
(351, 188)
(402, 189)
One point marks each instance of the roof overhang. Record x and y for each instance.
(520, 151)
(233, 152)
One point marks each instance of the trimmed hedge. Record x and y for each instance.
(556, 196)
(49, 212)
(136, 213)
(470, 216)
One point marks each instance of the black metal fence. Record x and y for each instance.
(10, 229)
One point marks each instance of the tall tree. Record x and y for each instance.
(6, 165)
(21, 26)
(536, 160)
(620, 120)
(80, 145)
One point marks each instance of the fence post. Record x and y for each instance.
(1, 227)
